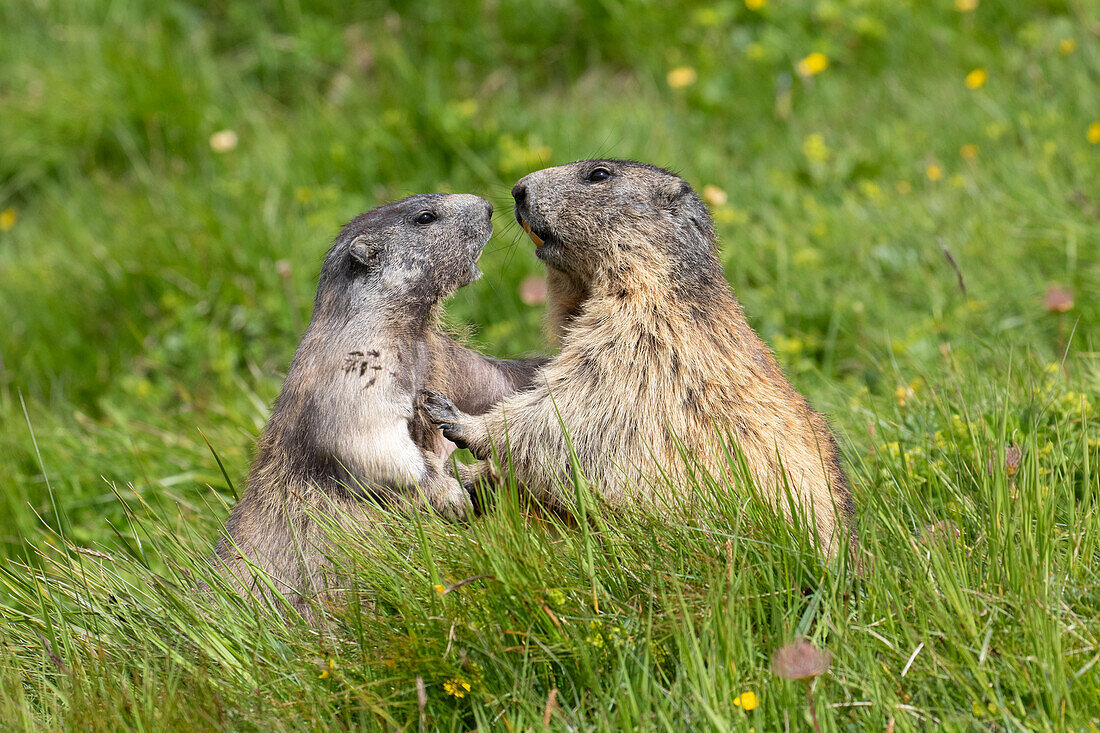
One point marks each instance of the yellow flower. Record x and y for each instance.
(968, 151)
(1066, 46)
(747, 701)
(596, 637)
(8, 218)
(682, 76)
(980, 711)
(976, 78)
(439, 589)
(965, 6)
(755, 4)
(815, 63)
(1093, 133)
(934, 172)
(814, 148)
(457, 687)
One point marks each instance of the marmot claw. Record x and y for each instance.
(442, 412)
(438, 407)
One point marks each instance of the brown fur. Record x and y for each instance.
(656, 355)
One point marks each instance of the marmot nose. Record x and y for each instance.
(519, 192)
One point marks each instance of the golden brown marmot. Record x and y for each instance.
(656, 357)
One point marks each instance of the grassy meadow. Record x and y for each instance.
(908, 197)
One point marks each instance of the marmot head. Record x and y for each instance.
(595, 218)
(406, 256)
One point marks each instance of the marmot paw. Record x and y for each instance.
(443, 413)
(454, 505)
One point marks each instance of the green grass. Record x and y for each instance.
(155, 290)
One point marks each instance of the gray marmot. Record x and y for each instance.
(656, 359)
(344, 431)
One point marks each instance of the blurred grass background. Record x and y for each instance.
(171, 174)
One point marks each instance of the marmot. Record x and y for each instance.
(656, 357)
(344, 430)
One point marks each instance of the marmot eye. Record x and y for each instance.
(599, 174)
(425, 217)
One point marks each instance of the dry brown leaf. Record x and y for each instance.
(1058, 300)
(1012, 459)
(800, 660)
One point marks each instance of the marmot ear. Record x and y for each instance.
(364, 249)
(670, 191)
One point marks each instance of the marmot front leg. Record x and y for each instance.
(475, 382)
(469, 475)
(465, 431)
(480, 481)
